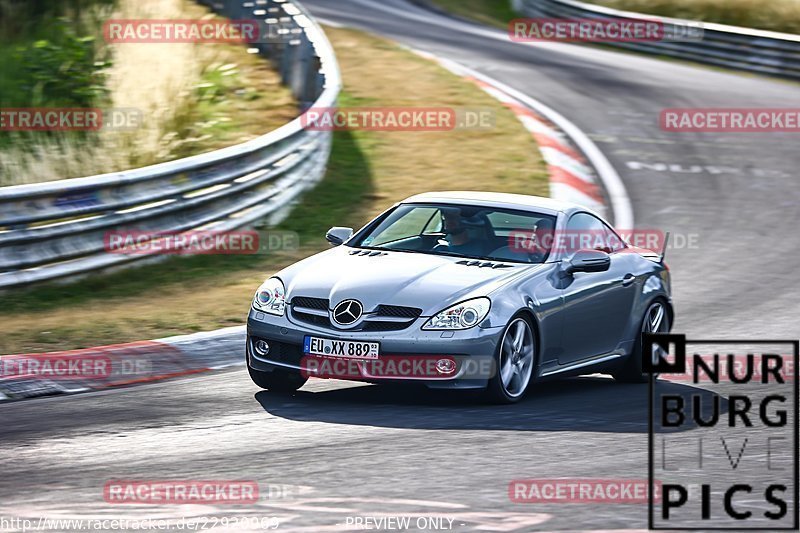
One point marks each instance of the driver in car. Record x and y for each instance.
(458, 238)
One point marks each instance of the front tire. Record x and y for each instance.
(278, 380)
(515, 358)
(655, 320)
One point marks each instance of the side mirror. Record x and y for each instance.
(588, 261)
(337, 235)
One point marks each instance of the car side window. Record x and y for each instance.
(614, 241)
(587, 232)
(434, 224)
(402, 224)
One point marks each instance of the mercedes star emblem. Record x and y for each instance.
(347, 312)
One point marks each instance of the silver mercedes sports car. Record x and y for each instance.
(462, 290)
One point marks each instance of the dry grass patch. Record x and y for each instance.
(491, 12)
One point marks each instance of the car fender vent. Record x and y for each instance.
(370, 253)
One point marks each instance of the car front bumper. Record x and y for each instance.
(472, 349)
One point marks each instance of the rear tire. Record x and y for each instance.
(515, 361)
(655, 320)
(278, 380)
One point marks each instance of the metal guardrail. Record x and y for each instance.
(56, 229)
(763, 52)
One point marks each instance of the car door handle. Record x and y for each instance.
(628, 279)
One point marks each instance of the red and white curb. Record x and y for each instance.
(579, 172)
(119, 365)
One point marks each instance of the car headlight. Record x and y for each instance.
(270, 297)
(460, 316)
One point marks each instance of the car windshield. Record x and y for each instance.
(474, 232)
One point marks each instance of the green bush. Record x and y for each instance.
(49, 61)
(62, 70)
(21, 18)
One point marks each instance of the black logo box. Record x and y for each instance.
(678, 366)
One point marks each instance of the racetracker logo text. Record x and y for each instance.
(729, 120)
(186, 243)
(69, 119)
(397, 118)
(180, 492)
(55, 366)
(180, 31)
(601, 31)
(579, 491)
(386, 367)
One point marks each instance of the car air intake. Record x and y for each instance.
(315, 312)
(311, 303)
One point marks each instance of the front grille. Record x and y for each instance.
(383, 326)
(389, 311)
(320, 321)
(310, 303)
(316, 304)
(398, 311)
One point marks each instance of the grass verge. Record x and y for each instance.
(368, 171)
(492, 12)
(775, 15)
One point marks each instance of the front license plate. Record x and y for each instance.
(337, 348)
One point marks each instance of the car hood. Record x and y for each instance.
(425, 281)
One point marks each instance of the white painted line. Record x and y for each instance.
(565, 193)
(74, 389)
(202, 336)
(539, 127)
(328, 22)
(559, 159)
(227, 365)
(498, 95)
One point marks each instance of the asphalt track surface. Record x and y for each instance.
(345, 450)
